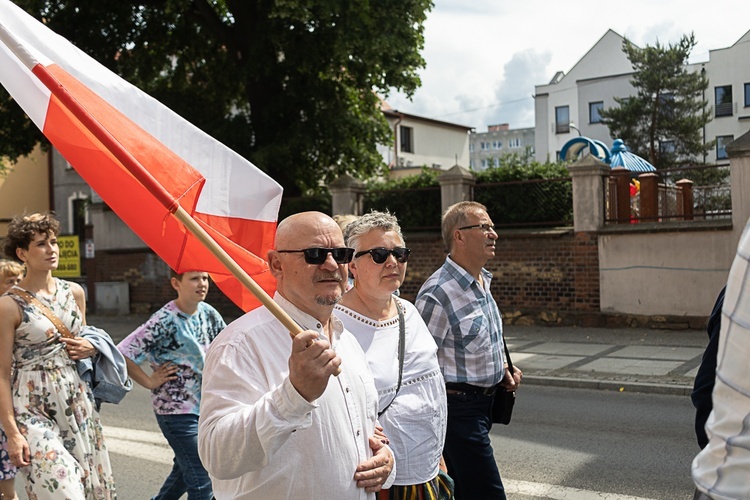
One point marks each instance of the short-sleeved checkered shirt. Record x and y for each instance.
(465, 322)
(722, 469)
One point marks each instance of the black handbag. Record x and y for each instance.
(503, 400)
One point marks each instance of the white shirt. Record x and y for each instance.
(415, 422)
(722, 469)
(259, 438)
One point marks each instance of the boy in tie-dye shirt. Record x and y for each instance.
(174, 342)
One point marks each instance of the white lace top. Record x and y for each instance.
(415, 421)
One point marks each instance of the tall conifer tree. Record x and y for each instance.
(664, 121)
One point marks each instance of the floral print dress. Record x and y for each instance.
(54, 408)
(7, 470)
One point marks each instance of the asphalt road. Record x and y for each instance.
(638, 445)
(574, 444)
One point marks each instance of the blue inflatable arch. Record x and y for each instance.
(577, 145)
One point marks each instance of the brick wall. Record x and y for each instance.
(552, 272)
(148, 281)
(533, 271)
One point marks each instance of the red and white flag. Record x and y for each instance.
(235, 202)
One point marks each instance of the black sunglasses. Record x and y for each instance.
(317, 256)
(379, 255)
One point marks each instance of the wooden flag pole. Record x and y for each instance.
(191, 225)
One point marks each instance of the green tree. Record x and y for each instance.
(669, 107)
(289, 84)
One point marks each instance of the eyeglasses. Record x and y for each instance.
(484, 227)
(379, 255)
(317, 256)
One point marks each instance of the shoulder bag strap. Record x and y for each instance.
(401, 347)
(30, 299)
(507, 358)
(507, 355)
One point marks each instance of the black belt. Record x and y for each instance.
(460, 387)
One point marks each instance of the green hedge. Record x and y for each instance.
(518, 193)
(510, 198)
(527, 194)
(414, 200)
(316, 202)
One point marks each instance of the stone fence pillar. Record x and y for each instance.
(588, 176)
(622, 206)
(649, 197)
(456, 185)
(685, 199)
(346, 195)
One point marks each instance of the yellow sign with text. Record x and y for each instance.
(70, 257)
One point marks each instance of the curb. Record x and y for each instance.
(609, 385)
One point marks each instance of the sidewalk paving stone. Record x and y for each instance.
(657, 352)
(628, 367)
(531, 361)
(564, 348)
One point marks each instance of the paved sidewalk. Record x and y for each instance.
(622, 359)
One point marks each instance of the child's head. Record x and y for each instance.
(11, 273)
(190, 285)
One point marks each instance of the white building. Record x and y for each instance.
(420, 141)
(487, 148)
(569, 104)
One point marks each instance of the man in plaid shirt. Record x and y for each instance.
(465, 322)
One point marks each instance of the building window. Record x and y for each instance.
(407, 139)
(484, 163)
(78, 214)
(721, 145)
(514, 142)
(471, 147)
(595, 109)
(747, 95)
(667, 105)
(562, 119)
(666, 147)
(723, 100)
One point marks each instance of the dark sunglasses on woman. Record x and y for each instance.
(317, 256)
(380, 255)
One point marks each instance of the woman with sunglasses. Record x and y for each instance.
(401, 354)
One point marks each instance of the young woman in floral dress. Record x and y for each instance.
(47, 411)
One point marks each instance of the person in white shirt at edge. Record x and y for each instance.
(274, 422)
(721, 470)
(413, 410)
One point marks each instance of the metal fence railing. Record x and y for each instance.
(528, 203)
(417, 209)
(686, 193)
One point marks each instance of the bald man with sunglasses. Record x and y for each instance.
(275, 421)
(465, 322)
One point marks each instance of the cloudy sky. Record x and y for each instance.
(484, 57)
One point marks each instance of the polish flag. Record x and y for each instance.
(108, 129)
